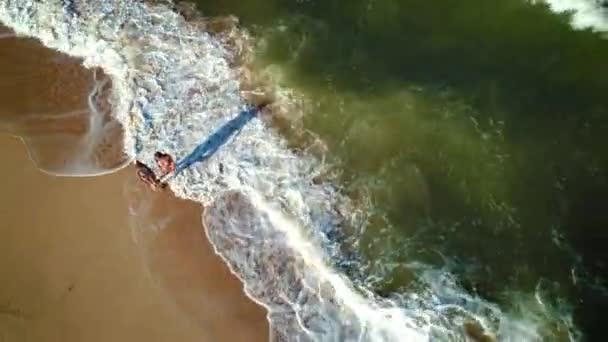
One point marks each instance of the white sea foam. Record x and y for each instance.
(173, 90)
(586, 13)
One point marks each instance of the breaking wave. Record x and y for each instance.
(585, 13)
(173, 89)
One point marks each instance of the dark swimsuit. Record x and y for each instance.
(145, 173)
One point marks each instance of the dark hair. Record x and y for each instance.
(159, 154)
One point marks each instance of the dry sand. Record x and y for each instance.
(99, 258)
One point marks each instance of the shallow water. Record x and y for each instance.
(59, 109)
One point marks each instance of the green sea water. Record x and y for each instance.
(477, 130)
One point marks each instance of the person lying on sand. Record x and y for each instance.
(165, 163)
(147, 176)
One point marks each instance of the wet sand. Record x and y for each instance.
(46, 97)
(98, 258)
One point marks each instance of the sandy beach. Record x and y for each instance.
(97, 258)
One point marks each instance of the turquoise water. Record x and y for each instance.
(476, 129)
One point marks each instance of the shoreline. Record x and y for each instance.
(169, 231)
(193, 280)
(174, 269)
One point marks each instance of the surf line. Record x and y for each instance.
(223, 135)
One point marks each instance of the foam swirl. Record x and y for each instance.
(586, 13)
